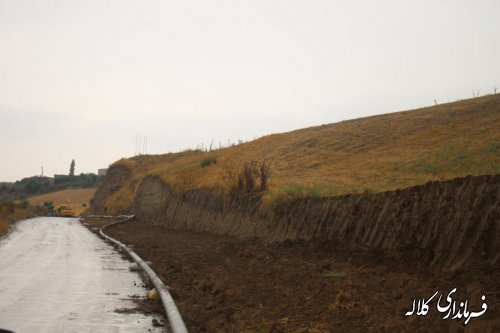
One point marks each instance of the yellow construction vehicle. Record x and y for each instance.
(66, 210)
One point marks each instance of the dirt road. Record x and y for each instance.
(56, 276)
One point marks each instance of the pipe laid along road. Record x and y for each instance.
(57, 276)
(174, 317)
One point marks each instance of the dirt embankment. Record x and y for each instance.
(448, 223)
(114, 182)
(348, 264)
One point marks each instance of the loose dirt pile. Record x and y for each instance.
(225, 285)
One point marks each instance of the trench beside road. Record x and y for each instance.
(55, 275)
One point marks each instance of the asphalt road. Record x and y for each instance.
(57, 276)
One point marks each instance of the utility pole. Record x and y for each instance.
(42, 170)
(141, 144)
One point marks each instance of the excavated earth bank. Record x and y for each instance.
(350, 264)
(448, 223)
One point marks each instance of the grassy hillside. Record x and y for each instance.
(375, 154)
(38, 185)
(77, 198)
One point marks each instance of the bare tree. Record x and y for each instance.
(244, 178)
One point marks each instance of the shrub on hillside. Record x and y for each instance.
(49, 205)
(24, 204)
(207, 161)
(249, 177)
(7, 207)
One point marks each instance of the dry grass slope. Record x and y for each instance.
(77, 197)
(378, 153)
(10, 212)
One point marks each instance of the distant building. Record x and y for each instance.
(102, 172)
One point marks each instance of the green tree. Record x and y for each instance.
(49, 205)
(72, 168)
(33, 186)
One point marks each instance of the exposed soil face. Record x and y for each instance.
(222, 284)
(349, 263)
(448, 223)
(115, 180)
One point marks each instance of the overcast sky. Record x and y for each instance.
(79, 79)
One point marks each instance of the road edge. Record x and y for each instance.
(173, 315)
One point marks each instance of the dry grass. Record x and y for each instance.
(374, 154)
(3, 226)
(76, 196)
(10, 212)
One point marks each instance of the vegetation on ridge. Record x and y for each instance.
(375, 154)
